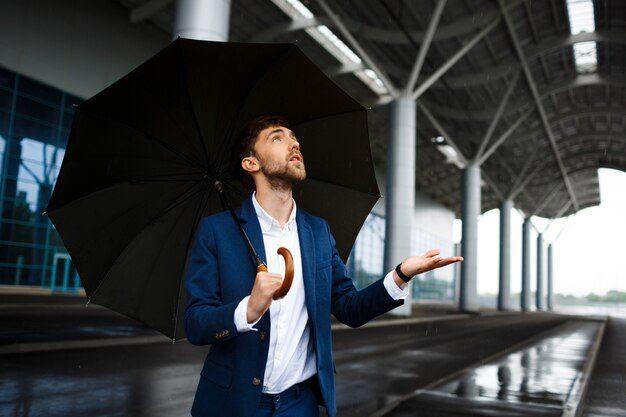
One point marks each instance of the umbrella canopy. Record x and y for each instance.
(143, 156)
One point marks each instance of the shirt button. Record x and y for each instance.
(256, 381)
(262, 335)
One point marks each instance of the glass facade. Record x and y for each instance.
(35, 120)
(366, 260)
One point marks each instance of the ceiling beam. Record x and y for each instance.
(547, 199)
(538, 102)
(421, 56)
(456, 29)
(546, 90)
(334, 17)
(449, 140)
(453, 60)
(496, 119)
(509, 66)
(505, 136)
(278, 29)
(492, 184)
(522, 179)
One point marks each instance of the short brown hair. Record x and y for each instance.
(244, 144)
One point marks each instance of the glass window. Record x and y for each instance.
(33, 135)
(36, 90)
(39, 168)
(37, 109)
(7, 79)
(2, 146)
(6, 98)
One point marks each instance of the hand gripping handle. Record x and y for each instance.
(287, 281)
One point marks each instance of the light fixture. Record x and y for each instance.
(329, 41)
(582, 19)
(452, 157)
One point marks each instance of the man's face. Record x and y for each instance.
(278, 153)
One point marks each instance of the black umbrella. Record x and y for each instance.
(144, 154)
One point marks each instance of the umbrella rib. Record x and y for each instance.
(189, 177)
(161, 214)
(221, 153)
(195, 116)
(195, 224)
(234, 189)
(341, 113)
(336, 184)
(154, 138)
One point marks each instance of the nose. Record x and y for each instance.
(294, 143)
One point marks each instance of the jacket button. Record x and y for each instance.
(256, 381)
(262, 335)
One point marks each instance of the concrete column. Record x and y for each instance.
(550, 278)
(470, 211)
(504, 290)
(457, 275)
(525, 298)
(202, 19)
(400, 190)
(539, 293)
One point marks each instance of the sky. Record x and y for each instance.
(589, 247)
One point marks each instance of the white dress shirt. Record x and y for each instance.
(291, 356)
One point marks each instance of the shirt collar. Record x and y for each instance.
(266, 221)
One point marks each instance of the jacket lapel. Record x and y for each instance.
(307, 254)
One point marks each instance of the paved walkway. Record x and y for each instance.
(606, 395)
(62, 359)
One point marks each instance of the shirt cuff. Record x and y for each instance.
(395, 292)
(241, 319)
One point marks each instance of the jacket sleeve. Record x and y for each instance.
(208, 320)
(351, 306)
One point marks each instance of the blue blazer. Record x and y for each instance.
(221, 273)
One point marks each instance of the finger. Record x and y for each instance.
(431, 253)
(447, 261)
(268, 275)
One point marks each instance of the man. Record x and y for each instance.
(273, 358)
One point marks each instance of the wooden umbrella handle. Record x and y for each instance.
(288, 280)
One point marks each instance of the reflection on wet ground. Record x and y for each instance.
(375, 366)
(534, 380)
(607, 386)
(155, 380)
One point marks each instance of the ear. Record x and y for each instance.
(250, 164)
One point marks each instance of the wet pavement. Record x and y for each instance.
(376, 369)
(376, 366)
(45, 327)
(606, 395)
(537, 380)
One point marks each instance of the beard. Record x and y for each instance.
(282, 176)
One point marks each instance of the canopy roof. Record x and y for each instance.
(516, 100)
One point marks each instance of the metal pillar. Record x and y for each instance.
(525, 298)
(504, 290)
(457, 275)
(470, 211)
(202, 19)
(400, 188)
(550, 278)
(539, 293)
